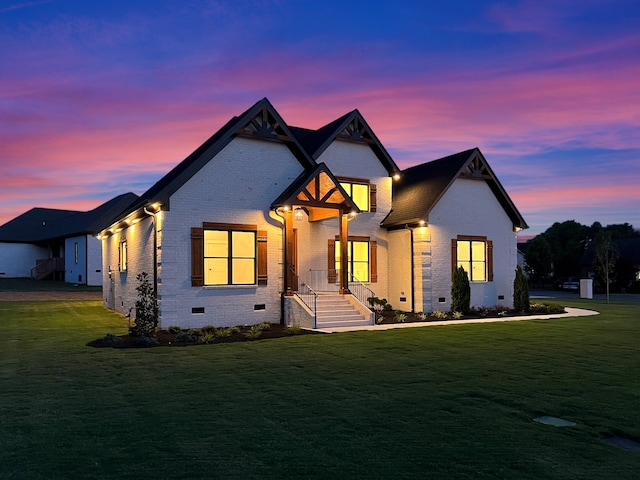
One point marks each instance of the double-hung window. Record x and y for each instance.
(229, 257)
(228, 254)
(358, 259)
(361, 262)
(475, 255)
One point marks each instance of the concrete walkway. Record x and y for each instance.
(571, 312)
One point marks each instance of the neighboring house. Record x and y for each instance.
(46, 243)
(258, 224)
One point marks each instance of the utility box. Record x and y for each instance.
(586, 288)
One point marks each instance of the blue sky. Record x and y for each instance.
(100, 98)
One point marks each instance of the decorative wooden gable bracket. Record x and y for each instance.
(321, 191)
(263, 124)
(476, 168)
(356, 131)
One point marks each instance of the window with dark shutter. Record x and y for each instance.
(475, 255)
(362, 262)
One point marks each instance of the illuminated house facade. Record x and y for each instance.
(259, 223)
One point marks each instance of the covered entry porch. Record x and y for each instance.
(315, 212)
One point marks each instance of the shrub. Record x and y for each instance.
(235, 329)
(460, 291)
(207, 338)
(195, 332)
(379, 304)
(208, 329)
(520, 292)
(185, 337)
(146, 308)
(421, 316)
(174, 329)
(254, 332)
(109, 339)
(264, 326)
(293, 329)
(400, 316)
(379, 319)
(222, 332)
(457, 315)
(144, 341)
(438, 314)
(546, 308)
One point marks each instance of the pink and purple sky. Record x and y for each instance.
(101, 98)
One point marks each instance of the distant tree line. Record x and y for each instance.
(556, 253)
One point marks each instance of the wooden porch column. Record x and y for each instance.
(344, 253)
(288, 252)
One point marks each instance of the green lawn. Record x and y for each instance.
(437, 402)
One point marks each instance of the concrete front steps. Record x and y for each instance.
(336, 311)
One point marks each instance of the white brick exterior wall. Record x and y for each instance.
(237, 186)
(118, 287)
(469, 207)
(346, 159)
(17, 259)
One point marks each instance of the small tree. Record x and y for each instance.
(520, 292)
(606, 258)
(146, 308)
(460, 291)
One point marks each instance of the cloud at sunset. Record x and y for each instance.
(100, 100)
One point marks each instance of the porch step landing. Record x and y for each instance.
(336, 311)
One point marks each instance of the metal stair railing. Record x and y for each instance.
(360, 291)
(307, 295)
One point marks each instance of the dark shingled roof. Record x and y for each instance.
(305, 144)
(44, 224)
(420, 187)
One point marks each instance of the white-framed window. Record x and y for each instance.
(123, 255)
(229, 257)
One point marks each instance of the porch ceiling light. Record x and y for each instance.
(396, 176)
(422, 223)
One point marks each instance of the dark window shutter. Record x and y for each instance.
(373, 260)
(454, 255)
(373, 198)
(490, 260)
(197, 257)
(331, 262)
(262, 257)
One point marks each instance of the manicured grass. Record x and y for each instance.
(435, 402)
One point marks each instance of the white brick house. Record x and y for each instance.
(252, 227)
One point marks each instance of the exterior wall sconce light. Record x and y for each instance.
(298, 216)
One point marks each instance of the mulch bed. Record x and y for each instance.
(166, 339)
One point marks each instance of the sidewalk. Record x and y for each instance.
(571, 312)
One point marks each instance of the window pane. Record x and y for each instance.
(361, 271)
(216, 271)
(467, 267)
(216, 243)
(244, 244)
(360, 195)
(360, 251)
(477, 252)
(244, 271)
(464, 251)
(337, 253)
(347, 187)
(478, 273)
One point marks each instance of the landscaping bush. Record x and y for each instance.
(146, 308)
(460, 291)
(174, 329)
(520, 292)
